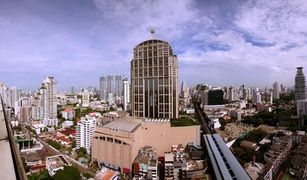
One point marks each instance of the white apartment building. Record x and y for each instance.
(85, 130)
(126, 94)
(44, 103)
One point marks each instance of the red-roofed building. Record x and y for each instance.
(68, 113)
(69, 132)
(63, 139)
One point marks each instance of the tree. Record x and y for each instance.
(81, 152)
(43, 174)
(73, 143)
(256, 135)
(69, 173)
(54, 144)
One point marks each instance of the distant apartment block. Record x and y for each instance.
(85, 98)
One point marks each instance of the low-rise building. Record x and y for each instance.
(68, 113)
(145, 165)
(106, 174)
(55, 163)
(116, 144)
(184, 163)
(38, 128)
(67, 124)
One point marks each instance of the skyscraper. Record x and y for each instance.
(118, 86)
(154, 80)
(126, 99)
(111, 85)
(276, 91)
(15, 94)
(299, 87)
(103, 88)
(48, 94)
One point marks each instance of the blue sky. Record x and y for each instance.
(220, 42)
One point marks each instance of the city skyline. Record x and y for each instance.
(77, 41)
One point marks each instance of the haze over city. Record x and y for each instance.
(218, 42)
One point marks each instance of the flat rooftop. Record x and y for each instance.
(57, 161)
(127, 124)
(7, 169)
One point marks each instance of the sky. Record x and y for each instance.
(220, 42)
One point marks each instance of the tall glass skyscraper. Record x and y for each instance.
(111, 84)
(154, 80)
(300, 86)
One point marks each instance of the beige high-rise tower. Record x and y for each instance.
(154, 80)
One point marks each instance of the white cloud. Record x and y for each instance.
(103, 44)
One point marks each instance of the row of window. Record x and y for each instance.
(161, 81)
(108, 139)
(156, 71)
(162, 99)
(151, 62)
(165, 89)
(162, 108)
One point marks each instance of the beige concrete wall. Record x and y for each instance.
(158, 135)
(161, 136)
(111, 152)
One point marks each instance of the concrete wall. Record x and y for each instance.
(159, 135)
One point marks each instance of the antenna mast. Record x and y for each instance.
(152, 32)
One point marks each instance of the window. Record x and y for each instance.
(150, 71)
(160, 61)
(160, 71)
(140, 72)
(145, 62)
(145, 72)
(155, 61)
(140, 63)
(165, 62)
(150, 62)
(166, 101)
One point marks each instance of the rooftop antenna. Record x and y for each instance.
(152, 32)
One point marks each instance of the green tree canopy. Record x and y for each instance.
(69, 173)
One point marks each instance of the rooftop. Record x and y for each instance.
(147, 155)
(68, 110)
(56, 161)
(105, 174)
(127, 124)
